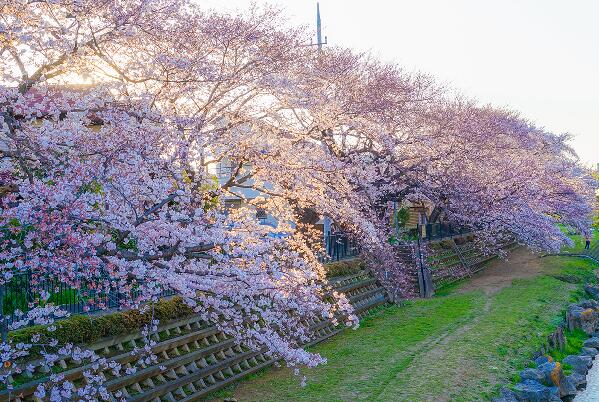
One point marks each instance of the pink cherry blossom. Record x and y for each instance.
(110, 187)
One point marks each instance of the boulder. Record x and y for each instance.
(568, 386)
(592, 290)
(557, 340)
(554, 394)
(580, 364)
(589, 304)
(506, 395)
(534, 391)
(547, 371)
(583, 315)
(579, 380)
(550, 374)
(592, 343)
(542, 359)
(533, 374)
(592, 352)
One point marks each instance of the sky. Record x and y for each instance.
(539, 57)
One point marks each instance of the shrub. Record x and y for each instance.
(81, 329)
(574, 343)
(345, 267)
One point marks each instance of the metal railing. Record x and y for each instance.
(436, 231)
(24, 290)
(339, 246)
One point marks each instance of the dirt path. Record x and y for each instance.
(435, 350)
(520, 263)
(499, 274)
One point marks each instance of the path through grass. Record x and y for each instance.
(462, 346)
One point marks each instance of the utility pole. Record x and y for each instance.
(326, 221)
(319, 41)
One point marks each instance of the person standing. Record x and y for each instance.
(587, 243)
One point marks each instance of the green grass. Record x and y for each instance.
(450, 288)
(455, 347)
(574, 343)
(579, 241)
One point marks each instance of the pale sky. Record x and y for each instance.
(539, 57)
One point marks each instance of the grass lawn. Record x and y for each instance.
(579, 240)
(460, 346)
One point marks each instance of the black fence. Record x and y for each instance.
(339, 246)
(24, 290)
(435, 231)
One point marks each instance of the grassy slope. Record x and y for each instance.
(458, 347)
(579, 241)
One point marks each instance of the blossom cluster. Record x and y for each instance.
(109, 186)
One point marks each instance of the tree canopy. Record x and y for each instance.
(111, 182)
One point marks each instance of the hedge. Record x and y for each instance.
(344, 267)
(90, 328)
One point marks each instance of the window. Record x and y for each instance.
(261, 213)
(232, 204)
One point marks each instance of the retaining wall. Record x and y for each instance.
(194, 358)
(450, 261)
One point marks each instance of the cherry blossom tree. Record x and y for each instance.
(398, 136)
(111, 183)
(499, 174)
(108, 185)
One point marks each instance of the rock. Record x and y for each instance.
(589, 352)
(592, 343)
(592, 290)
(532, 374)
(579, 380)
(554, 394)
(580, 364)
(506, 395)
(568, 386)
(583, 315)
(547, 369)
(541, 359)
(589, 304)
(551, 375)
(568, 278)
(558, 378)
(533, 391)
(557, 340)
